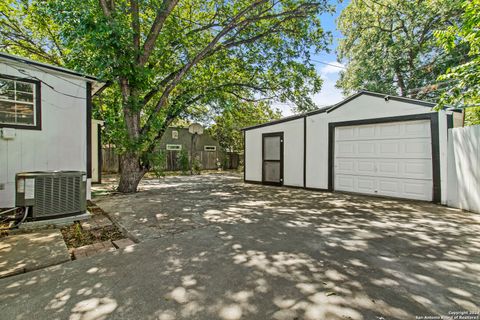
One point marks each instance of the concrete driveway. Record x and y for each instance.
(212, 247)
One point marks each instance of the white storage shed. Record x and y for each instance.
(45, 121)
(370, 143)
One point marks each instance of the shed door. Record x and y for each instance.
(389, 159)
(272, 171)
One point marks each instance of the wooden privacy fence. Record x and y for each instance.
(110, 160)
(463, 175)
(233, 160)
(209, 160)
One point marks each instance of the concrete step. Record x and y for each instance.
(25, 252)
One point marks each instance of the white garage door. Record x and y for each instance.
(390, 159)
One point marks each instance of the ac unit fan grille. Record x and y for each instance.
(57, 195)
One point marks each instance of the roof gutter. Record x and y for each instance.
(48, 66)
(97, 85)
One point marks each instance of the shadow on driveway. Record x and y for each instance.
(215, 248)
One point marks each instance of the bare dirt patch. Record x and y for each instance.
(75, 236)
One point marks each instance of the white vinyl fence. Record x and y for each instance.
(464, 168)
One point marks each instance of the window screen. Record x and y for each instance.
(271, 171)
(17, 102)
(271, 148)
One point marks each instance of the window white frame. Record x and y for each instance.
(209, 148)
(36, 102)
(174, 147)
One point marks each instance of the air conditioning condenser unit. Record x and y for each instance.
(52, 194)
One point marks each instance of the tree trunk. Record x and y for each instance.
(131, 172)
(401, 82)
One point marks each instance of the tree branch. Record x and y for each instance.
(135, 24)
(20, 41)
(210, 48)
(233, 93)
(199, 56)
(162, 14)
(55, 42)
(176, 111)
(106, 8)
(158, 87)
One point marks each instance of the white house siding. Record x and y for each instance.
(292, 146)
(360, 108)
(60, 144)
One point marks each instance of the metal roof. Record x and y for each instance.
(47, 66)
(328, 109)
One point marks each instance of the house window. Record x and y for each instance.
(174, 147)
(174, 134)
(19, 103)
(210, 148)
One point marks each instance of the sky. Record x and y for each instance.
(329, 94)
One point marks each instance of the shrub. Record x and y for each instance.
(196, 165)
(158, 163)
(183, 161)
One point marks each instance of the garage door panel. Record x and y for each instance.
(345, 133)
(389, 148)
(389, 187)
(409, 169)
(405, 188)
(392, 168)
(417, 169)
(365, 132)
(346, 149)
(346, 166)
(417, 129)
(388, 168)
(389, 130)
(365, 167)
(352, 183)
(405, 130)
(366, 184)
(345, 182)
(417, 189)
(390, 159)
(365, 148)
(419, 148)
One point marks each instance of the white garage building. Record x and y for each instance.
(369, 143)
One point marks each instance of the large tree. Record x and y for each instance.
(464, 91)
(228, 124)
(164, 56)
(389, 46)
(25, 31)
